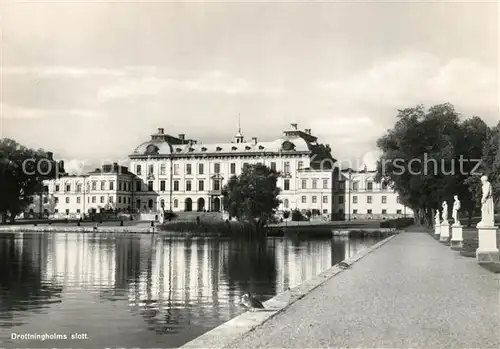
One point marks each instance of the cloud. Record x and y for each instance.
(16, 113)
(211, 82)
(365, 104)
(61, 71)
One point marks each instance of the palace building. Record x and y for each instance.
(176, 173)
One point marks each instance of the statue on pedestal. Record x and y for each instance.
(487, 205)
(445, 213)
(456, 208)
(436, 218)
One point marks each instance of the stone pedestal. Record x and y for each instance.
(456, 237)
(437, 231)
(445, 232)
(487, 251)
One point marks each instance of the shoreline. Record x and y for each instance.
(230, 331)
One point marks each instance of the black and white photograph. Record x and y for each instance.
(249, 174)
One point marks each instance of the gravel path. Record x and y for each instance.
(413, 292)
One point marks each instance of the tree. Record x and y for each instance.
(253, 194)
(22, 172)
(421, 157)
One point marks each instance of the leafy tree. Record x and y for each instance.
(421, 157)
(253, 194)
(22, 172)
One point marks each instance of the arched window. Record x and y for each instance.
(162, 203)
(285, 203)
(176, 203)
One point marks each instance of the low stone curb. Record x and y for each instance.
(237, 327)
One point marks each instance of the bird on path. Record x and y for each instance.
(343, 265)
(251, 302)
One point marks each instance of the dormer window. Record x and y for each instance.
(248, 147)
(234, 148)
(178, 150)
(203, 149)
(218, 148)
(191, 150)
(261, 147)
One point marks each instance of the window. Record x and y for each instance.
(217, 168)
(162, 185)
(102, 199)
(77, 210)
(151, 169)
(325, 210)
(176, 185)
(233, 168)
(56, 200)
(200, 169)
(304, 199)
(111, 199)
(57, 187)
(78, 187)
(163, 169)
(304, 184)
(45, 200)
(119, 199)
(369, 211)
(201, 185)
(78, 200)
(138, 170)
(67, 211)
(111, 185)
(188, 169)
(314, 199)
(285, 203)
(103, 185)
(176, 203)
(369, 186)
(56, 210)
(325, 183)
(354, 211)
(273, 166)
(384, 199)
(300, 164)
(216, 184)
(398, 211)
(138, 204)
(384, 186)
(342, 185)
(45, 188)
(286, 184)
(245, 164)
(128, 200)
(325, 199)
(67, 200)
(93, 199)
(150, 185)
(68, 187)
(176, 169)
(94, 185)
(397, 200)
(368, 199)
(120, 186)
(355, 185)
(341, 200)
(355, 199)
(384, 211)
(315, 184)
(137, 185)
(286, 167)
(188, 185)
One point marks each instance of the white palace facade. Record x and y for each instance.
(180, 174)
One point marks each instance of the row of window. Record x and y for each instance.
(125, 186)
(123, 200)
(188, 168)
(369, 199)
(314, 199)
(370, 211)
(314, 184)
(216, 185)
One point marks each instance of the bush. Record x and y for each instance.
(397, 223)
(286, 214)
(169, 215)
(218, 228)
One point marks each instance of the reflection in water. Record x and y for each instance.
(142, 290)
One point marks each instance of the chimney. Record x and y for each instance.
(182, 136)
(160, 131)
(254, 139)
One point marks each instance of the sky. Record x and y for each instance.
(91, 80)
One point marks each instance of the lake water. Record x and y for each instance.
(134, 290)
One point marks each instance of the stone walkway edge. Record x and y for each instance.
(232, 330)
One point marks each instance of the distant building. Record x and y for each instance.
(180, 174)
(360, 197)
